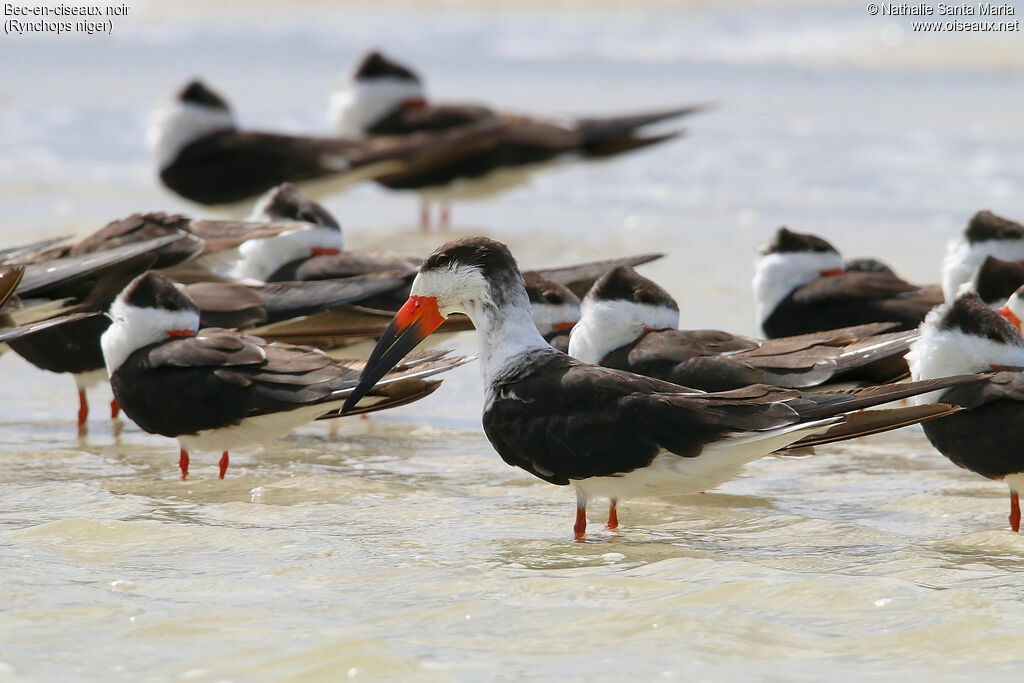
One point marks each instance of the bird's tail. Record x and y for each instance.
(876, 421)
(607, 136)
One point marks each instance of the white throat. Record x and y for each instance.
(778, 274)
(362, 103)
(963, 258)
(505, 334)
(175, 125)
(258, 259)
(134, 327)
(608, 324)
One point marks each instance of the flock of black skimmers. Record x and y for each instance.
(225, 333)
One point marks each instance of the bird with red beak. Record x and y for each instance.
(610, 433)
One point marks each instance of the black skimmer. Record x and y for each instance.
(386, 98)
(212, 249)
(986, 437)
(9, 279)
(801, 285)
(986, 234)
(218, 390)
(278, 258)
(630, 323)
(555, 309)
(203, 156)
(84, 284)
(371, 318)
(995, 280)
(611, 434)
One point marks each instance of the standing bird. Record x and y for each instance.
(986, 234)
(384, 97)
(801, 285)
(630, 323)
(609, 433)
(83, 283)
(218, 390)
(203, 156)
(986, 436)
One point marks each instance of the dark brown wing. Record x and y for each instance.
(230, 167)
(140, 227)
(13, 333)
(561, 420)
(232, 304)
(854, 286)
(76, 275)
(286, 300)
(581, 277)
(219, 378)
(691, 358)
(9, 279)
(345, 264)
(234, 166)
(1005, 384)
(851, 299)
(224, 235)
(430, 118)
(844, 336)
(227, 304)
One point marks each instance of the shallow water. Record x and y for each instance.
(401, 546)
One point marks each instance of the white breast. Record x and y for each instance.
(177, 124)
(963, 258)
(608, 324)
(361, 104)
(778, 274)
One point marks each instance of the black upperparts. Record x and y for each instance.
(985, 226)
(492, 257)
(153, 290)
(544, 291)
(787, 241)
(625, 284)
(376, 65)
(287, 202)
(195, 92)
(995, 279)
(969, 314)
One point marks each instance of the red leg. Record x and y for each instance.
(424, 215)
(613, 516)
(83, 411)
(1014, 511)
(223, 464)
(183, 464)
(115, 409)
(580, 529)
(445, 219)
